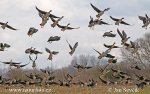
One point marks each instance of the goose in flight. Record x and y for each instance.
(123, 36)
(33, 61)
(51, 53)
(4, 25)
(20, 66)
(63, 28)
(81, 67)
(100, 12)
(92, 22)
(72, 48)
(32, 51)
(53, 38)
(109, 46)
(119, 21)
(3, 46)
(31, 31)
(109, 34)
(55, 22)
(104, 54)
(146, 21)
(46, 13)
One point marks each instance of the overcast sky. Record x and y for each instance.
(22, 15)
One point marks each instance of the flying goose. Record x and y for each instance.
(109, 34)
(72, 48)
(20, 66)
(63, 28)
(53, 38)
(31, 31)
(55, 22)
(32, 51)
(91, 23)
(3, 46)
(110, 56)
(119, 21)
(123, 36)
(11, 63)
(33, 61)
(43, 12)
(109, 46)
(104, 54)
(4, 25)
(51, 53)
(100, 12)
(81, 67)
(146, 21)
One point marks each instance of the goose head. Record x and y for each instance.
(122, 18)
(68, 24)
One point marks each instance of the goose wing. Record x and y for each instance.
(142, 19)
(73, 28)
(96, 51)
(43, 12)
(69, 45)
(47, 50)
(120, 33)
(115, 19)
(124, 34)
(95, 8)
(24, 65)
(123, 22)
(8, 26)
(55, 53)
(1, 23)
(76, 44)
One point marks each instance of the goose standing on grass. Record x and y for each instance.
(51, 53)
(3, 46)
(55, 22)
(100, 12)
(146, 21)
(31, 31)
(109, 34)
(72, 48)
(4, 25)
(123, 36)
(63, 28)
(119, 21)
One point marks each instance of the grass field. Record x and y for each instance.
(82, 90)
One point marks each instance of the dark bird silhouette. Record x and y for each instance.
(32, 51)
(72, 48)
(146, 21)
(123, 36)
(64, 28)
(31, 31)
(20, 66)
(109, 46)
(81, 67)
(100, 12)
(109, 34)
(55, 22)
(3, 46)
(33, 61)
(119, 21)
(51, 53)
(53, 38)
(4, 25)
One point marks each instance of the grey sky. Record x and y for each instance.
(22, 15)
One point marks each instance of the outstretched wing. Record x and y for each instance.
(124, 34)
(47, 50)
(120, 33)
(24, 65)
(96, 51)
(114, 18)
(122, 22)
(76, 44)
(11, 27)
(142, 19)
(73, 28)
(69, 45)
(95, 8)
